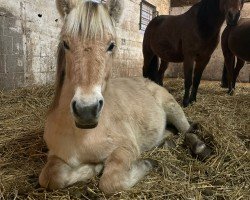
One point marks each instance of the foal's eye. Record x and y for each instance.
(66, 46)
(111, 47)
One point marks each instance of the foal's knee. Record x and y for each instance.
(111, 183)
(115, 179)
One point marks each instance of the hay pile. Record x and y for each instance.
(224, 120)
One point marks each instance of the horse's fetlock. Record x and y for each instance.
(99, 168)
(150, 163)
(199, 147)
(109, 185)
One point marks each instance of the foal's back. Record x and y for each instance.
(134, 111)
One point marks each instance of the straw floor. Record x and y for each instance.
(224, 124)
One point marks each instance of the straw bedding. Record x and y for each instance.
(224, 124)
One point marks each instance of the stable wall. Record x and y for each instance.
(29, 34)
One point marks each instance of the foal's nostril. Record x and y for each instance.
(74, 108)
(100, 104)
(87, 112)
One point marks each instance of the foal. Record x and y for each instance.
(97, 123)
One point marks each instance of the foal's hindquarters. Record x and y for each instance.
(133, 120)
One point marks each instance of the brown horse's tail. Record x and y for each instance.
(150, 69)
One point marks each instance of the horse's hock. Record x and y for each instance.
(11, 51)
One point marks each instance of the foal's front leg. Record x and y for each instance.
(122, 171)
(58, 174)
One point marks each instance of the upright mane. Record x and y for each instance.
(208, 17)
(89, 20)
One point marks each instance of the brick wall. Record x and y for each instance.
(29, 32)
(214, 69)
(129, 58)
(11, 51)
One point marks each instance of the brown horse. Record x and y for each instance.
(97, 123)
(235, 42)
(190, 37)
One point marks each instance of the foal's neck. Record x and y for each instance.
(210, 18)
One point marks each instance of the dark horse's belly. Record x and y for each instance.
(170, 54)
(167, 46)
(239, 40)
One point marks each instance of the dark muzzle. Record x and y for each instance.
(86, 117)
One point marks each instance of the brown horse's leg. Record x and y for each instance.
(199, 68)
(150, 67)
(122, 171)
(163, 68)
(239, 65)
(224, 82)
(230, 63)
(188, 72)
(229, 59)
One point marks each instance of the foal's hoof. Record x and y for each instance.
(198, 148)
(170, 144)
(151, 163)
(202, 151)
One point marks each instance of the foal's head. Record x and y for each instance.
(88, 38)
(232, 9)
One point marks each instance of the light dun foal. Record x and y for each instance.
(99, 124)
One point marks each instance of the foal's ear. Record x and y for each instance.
(115, 8)
(64, 6)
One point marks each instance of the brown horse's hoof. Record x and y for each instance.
(185, 103)
(224, 85)
(231, 92)
(192, 100)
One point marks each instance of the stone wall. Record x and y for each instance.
(129, 59)
(29, 31)
(11, 51)
(214, 69)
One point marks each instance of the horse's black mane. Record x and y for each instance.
(208, 17)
